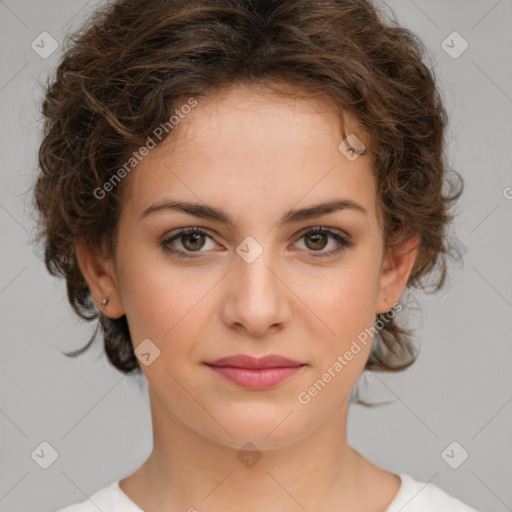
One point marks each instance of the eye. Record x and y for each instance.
(317, 239)
(193, 239)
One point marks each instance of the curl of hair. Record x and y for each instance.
(133, 61)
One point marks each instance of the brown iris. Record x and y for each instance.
(316, 237)
(197, 241)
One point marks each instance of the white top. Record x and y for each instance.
(412, 496)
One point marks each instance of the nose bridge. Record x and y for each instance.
(255, 268)
(257, 295)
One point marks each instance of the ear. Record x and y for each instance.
(395, 270)
(98, 270)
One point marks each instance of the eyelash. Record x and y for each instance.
(344, 243)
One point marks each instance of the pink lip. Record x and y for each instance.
(255, 373)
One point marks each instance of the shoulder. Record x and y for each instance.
(107, 499)
(415, 496)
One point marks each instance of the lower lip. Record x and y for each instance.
(256, 379)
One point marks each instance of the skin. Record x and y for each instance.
(254, 155)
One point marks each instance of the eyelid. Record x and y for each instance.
(317, 227)
(342, 238)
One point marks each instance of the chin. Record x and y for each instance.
(266, 429)
(259, 439)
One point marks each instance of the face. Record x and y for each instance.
(255, 278)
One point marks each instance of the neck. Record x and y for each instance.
(189, 471)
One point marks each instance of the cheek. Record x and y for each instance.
(347, 302)
(346, 306)
(163, 302)
(348, 310)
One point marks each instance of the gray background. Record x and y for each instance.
(459, 390)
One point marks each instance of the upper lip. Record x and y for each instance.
(245, 361)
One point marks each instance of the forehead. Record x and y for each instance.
(234, 112)
(246, 145)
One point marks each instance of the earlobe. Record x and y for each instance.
(98, 271)
(395, 272)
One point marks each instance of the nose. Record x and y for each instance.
(257, 298)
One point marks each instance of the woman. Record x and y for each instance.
(244, 190)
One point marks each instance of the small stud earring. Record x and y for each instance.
(104, 303)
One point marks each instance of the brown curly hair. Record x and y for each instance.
(130, 64)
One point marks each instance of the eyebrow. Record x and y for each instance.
(211, 213)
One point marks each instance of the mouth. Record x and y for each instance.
(255, 373)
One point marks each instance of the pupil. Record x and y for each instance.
(316, 237)
(194, 237)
